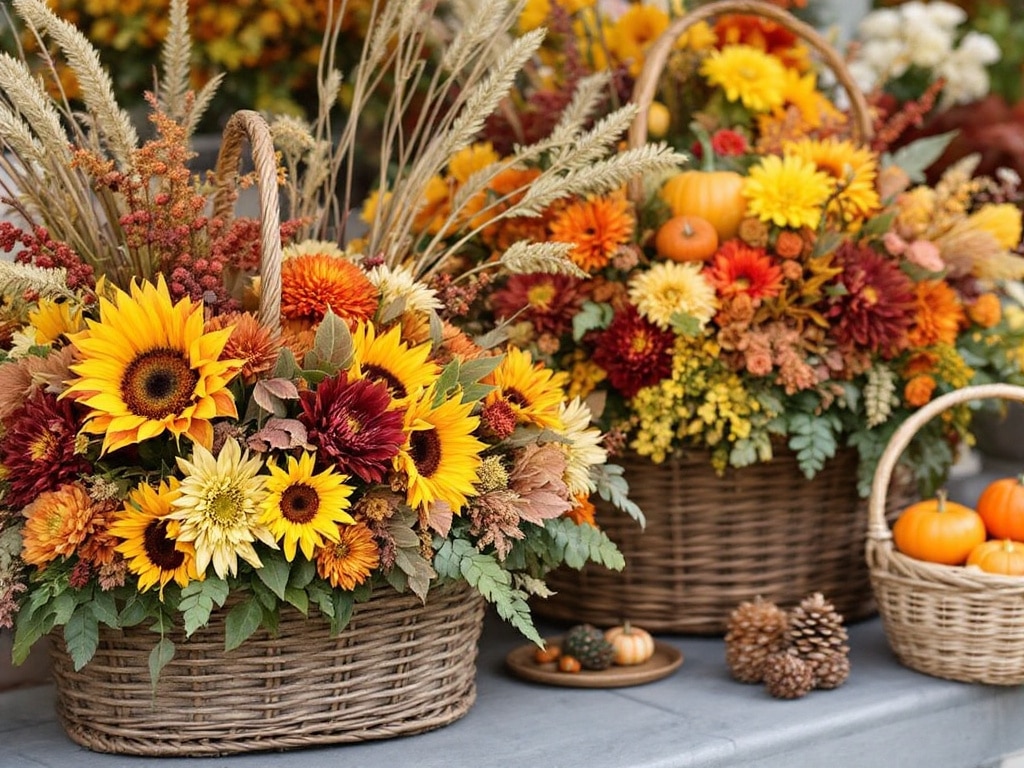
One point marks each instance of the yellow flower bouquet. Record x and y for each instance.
(228, 425)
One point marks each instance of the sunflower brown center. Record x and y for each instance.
(515, 397)
(299, 503)
(380, 373)
(158, 383)
(425, 450)
(160, 549)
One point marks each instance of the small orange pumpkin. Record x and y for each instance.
(938, 530)
(686, 238)
(713, 195)
(1003, 556)
(632, 645)
(1001, 506)
(548, 653)
(569, 664)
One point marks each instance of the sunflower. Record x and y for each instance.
(149, 545)
(441, 456)
(739, 269)
(302, 508)
(787, 191)
(597, 227)
(218, 508)
(747, 75)
(312, 283)
(669, 289)
(404, 369)
(353, 425)
(146, 367)
(938, 314)
(534, 391)
(38, 448)
(350, 559)
(55, 524)
(52, 319)
(853, 169)
(634, 352)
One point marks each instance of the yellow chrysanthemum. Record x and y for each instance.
(1002, 221)
(473, 158)
(854, 170)
(303, 509)
(747, 75)
(787, 191)
(633, 32)
(669, 288)
(218, 508)
(149, 546)
(534, 391)
(441, 457)
(802, 92)
(146, 367)
(52, 319)
(534, 15)
(406, 370)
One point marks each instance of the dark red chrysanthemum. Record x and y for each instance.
(352, 427)
(547, 301)
(634, 352)
(38, 449)
(875, 308)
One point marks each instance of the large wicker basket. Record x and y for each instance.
(946, 621)
(713, 541)
(399, 667)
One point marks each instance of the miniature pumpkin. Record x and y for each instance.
(713, 195)
(569, 664)
(686, 238)
(632, 645)
(938, 531)
(1001, 506)
(547, 653)
(658, 120)
(1003, 556)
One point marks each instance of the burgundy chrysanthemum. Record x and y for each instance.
(38, 449)
(547, 301)
(352, 426)
(875, 309)
(634, 352)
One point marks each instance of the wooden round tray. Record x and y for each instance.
(663, 663)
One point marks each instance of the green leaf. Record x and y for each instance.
(133, 613)
(684, 324)
(592, 316)
(29, 628)
(473, 370)
(446, 382)
(612, 486)
(915, 157)
(198, 600)
(275, 572)
(82, 636)
(242, 621)
(159, 657)
(298, 598)
(417, 570)
(104, 608)
(302, 574)
(344, 604)
(332, 346)
(287, 367)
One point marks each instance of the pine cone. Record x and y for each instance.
(831, 671)
(816, 630)
(755, 630)
(787, 676)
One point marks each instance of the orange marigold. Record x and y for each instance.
(597, 227)
(310, 283)
(986, 311)
(56, 523)
(938, 314)
(582, 513)
(918, 390)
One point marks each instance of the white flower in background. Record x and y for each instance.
(882, 23)
(928, 45)
(887, 58)
(966, 81)
(979, 48)
(945, 14)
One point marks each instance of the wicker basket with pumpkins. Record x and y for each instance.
(948, 578)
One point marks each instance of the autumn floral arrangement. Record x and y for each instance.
(167, 449)
(797, 288)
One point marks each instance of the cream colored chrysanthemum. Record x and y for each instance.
(312, 248)
(399, 283)
(583, 449)
(670, 288)
(219, 508)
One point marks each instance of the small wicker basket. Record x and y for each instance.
(399, 667)
(946, 621)
(713, 541)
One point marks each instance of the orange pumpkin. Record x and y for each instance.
(569, 664)
(632, 645)
(713, 195)
(1001, 506)
(686, 238)
(939, 531)
(1003, 556)
(547, 654)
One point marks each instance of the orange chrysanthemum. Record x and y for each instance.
(918, 391)
(583, 511)
(312, 283)
(938, 314)
(738, 269)
(986, 311)
(350, 561)
(597, 226)
(249, 342)
(56, 523)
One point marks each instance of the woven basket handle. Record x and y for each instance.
(657, 57)
(249, 125)
(878, 528)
